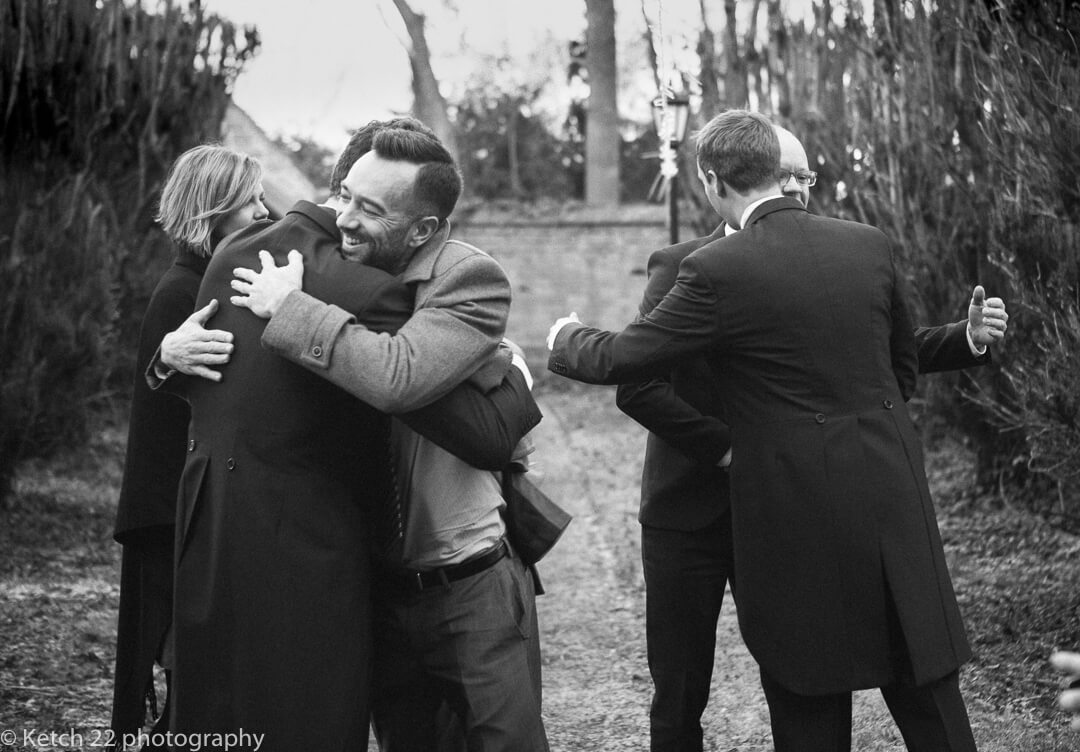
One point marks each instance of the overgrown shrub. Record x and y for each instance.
(97, 97)
(955, 127)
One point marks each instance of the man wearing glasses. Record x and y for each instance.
(686, 538)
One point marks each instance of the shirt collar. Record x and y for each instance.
(421, 266)
(749, 211)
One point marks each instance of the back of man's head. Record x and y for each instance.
(741, 148)
(360, 144)
(438, 182)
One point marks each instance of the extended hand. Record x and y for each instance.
(559, 324)
(263, 292)
(193, 347)
(1069, 663)
(987, 319)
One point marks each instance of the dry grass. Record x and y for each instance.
(1017, 580)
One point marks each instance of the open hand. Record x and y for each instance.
(263, 292)
(559, 324)
(987, 319)
(192, 348)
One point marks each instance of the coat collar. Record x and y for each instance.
(422, 265)
(191, 260)
(324, 217)
(771, 205)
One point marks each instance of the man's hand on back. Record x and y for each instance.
(192, 348)
(263, 292)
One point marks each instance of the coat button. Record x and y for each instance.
(819, 418)
(316, 351)
(191, 445)
(888, 404)
(230, 463)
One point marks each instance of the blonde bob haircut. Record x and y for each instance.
(204, 185)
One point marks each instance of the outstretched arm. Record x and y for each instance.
(963, 344)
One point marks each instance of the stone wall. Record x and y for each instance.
(569, 258)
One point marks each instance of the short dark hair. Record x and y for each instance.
(741, 147)
(438, 182)
(360, 144)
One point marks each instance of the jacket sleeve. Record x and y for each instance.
(904, 358)
(656, 405)
(684, 323)
(454, 331)
(480, 428)
(946, 348)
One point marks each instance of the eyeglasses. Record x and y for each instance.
(802, 178)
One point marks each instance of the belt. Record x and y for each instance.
(416, 581)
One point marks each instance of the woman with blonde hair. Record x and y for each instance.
(211, 191)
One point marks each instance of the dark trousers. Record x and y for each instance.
(931, 717)
(470, 648)
(146, 591)
(686, 573)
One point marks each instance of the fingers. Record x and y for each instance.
(241, 301)
(206, 373)
(241, 286)
(978, 296)
(248, 275)
(267, 260)
(203, 315)
(210, 351)
(295, 258)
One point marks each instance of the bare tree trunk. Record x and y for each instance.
(513, 162)
(710, 85)
(602, 139)
(650, 47)
(428, 102)
(778, 54)
(735, 86)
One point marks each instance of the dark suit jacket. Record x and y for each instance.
(272, 578)
(804, 322)
(681, 486)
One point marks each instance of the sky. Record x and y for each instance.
(327, 66)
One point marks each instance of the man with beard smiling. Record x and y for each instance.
(455, 616)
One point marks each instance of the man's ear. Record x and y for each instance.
(423, 230)
(719, 186)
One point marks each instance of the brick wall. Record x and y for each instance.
(569, 259)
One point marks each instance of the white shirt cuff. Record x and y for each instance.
(519, 362)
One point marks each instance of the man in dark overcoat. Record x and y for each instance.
(803, 321)
(685, 512)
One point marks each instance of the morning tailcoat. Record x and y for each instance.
(842, 576)
(272, 576)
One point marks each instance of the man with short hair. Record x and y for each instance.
(685, 514)
(842, 582)
(284, 476)
(456, 614)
